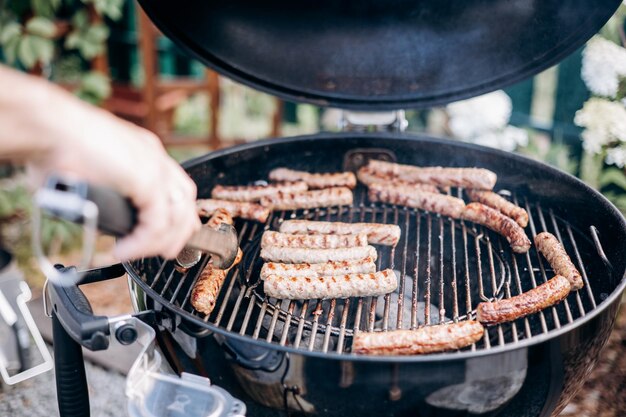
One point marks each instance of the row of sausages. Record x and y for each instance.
(307, 259)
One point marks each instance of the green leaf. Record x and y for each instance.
(10, 49)
(10, 31)
(80, 19)
(90, 50)
(72, 40)
(44, 49)
(26, 52)
(97, 33)
(6, 208)
(43, 7)
(97, 84)
(41, 26)
(613, 176)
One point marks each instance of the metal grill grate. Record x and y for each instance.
(445, 268)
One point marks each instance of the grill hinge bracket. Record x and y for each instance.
(362, 121)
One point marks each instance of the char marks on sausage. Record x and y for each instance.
(377, 233)
(558, 259)
(429, 339)
(338, 196)
(410, 196)
(441, 177)
(499, 223)
(327, 180)
(341, 286)
(501, 204)
(545, 295)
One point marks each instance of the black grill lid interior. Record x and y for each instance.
(379, 54)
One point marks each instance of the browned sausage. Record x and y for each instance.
(410, 196)
(335, 179)
(207, 288)
(558, 259)
(338, 196)
(331, 268)
(501, 204)
(218, 217)
(342, 286)
(377, 233)
(442, 177)
(255, 192)
(251, 211)
(532, 301)
(316, 256)
(429, 339)
(318, 241)
(368, 177)
(499, 223)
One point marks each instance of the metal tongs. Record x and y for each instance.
(100, 208)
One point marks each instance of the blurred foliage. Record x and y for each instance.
(559, 155)
(36, 34)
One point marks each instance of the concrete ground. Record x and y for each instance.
(37, 397)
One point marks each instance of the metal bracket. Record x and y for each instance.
(64, 199)
(359, 157)
(10, 317)
(390, 121)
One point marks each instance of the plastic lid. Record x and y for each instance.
(154, 394)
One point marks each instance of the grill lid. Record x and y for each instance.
(372, 54)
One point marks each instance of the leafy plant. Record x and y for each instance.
(37, 34)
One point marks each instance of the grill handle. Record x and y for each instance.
(74, 325)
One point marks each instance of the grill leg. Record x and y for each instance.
(71, 381)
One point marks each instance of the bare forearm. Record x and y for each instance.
(35, 116)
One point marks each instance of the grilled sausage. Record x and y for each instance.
(377, 233)
(368, 177)
(207, 288)
(532, 301)
(338, 196)
(410, 196)
(336, 179)
(218, 217)
(499, 223)
(341, 286)
(478, 178)
(427, 339)
(558, 259)
(316, 256)
(251, 211)
(331, 268)
(316, 241)
(255, 192)
(501, 204)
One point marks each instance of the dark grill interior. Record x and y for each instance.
(445, 268)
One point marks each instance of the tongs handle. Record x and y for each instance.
(117, 214)
(63, 198)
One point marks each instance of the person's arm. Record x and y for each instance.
(53, 131)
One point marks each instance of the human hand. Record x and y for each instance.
(93, 145)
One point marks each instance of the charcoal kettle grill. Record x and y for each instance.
(293, 357)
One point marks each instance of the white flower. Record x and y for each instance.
(476, 116)
(604, 63)
(506, 139)
(616, 156)
(604, 122)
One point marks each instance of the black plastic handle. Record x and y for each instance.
(74, 311)
(69, 370)
(116, 214)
